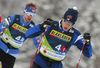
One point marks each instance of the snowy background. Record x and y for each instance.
(88, 21)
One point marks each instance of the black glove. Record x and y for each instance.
(46, 23)
(49, 19)
(87, 37)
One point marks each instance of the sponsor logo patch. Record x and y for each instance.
(59, 35)
(44, 51)
(20, 28)
(63, 49)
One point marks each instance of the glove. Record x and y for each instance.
(46, 23)
(49, 19)
(87, 37)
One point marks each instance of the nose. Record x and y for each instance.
(30, 16)
(67, 25)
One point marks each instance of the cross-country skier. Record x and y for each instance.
(58, 38)
(14, 35)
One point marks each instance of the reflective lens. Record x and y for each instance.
(30, 14)
(70, 24)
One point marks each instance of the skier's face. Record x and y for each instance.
(66, 25)
(28, 16)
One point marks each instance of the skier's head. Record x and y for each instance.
(71, 14)
(29, 11)
(69, 18)
(30, 7)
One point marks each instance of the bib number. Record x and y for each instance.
(58, 47)
(19, 38)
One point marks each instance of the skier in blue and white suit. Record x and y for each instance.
(58, 39)
(13, 30)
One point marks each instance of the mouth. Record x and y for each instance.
(29, 19)
(65, 28)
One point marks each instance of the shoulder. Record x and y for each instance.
(13, 16)
(77, 32)
(10, 19)
(54, 21)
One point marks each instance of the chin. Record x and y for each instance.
(28, 20)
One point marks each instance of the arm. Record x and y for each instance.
(34, 31)
(6, 22)
(87, 52)
(37, 30)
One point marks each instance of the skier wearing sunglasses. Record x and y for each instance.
(58, 39)
(14, 35)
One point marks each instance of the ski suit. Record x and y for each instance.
(55, 45)
(13, 38)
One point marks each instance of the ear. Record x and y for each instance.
(62, 19)
(24, 13)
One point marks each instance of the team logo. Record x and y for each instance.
(44, 51)
(5, 23)
(69, 17)
(38, 40)
(33, 8)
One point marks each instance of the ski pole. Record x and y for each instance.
(81, 54)
(38, 47)
(0, 19)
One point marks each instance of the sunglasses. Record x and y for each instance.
(30, 14)
(70, 24)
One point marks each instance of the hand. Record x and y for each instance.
(46, 23)
(87, 37)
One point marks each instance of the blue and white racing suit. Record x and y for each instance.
(56, 43)
(14, 34)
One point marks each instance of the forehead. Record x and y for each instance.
(30, 12)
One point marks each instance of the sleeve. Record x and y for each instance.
(34, 31)
(36, 41)
(6, 22)
(87, 51)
